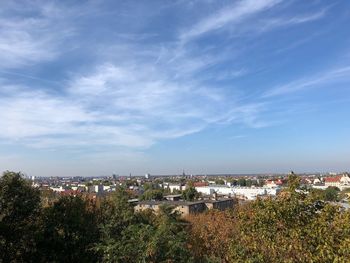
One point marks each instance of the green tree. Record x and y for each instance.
(140, 237)
(168, 242)
(19, 211)
(116, 215)
(152, 194)
(331, 194)
(219, 181)
(190, 194)
(69, 230)
(249, 182)
(241, 182)
(293, 182)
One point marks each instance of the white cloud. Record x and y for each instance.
(133, 96)
(227, 16)
(130, 106)
(33, 32)
(316, 80)
(272, 23)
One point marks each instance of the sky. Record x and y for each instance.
(91, 88)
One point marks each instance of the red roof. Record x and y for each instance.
(199, 184)
(276, 181)
(335, 179)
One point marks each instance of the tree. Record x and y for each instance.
(69, 230)
(331, 194)
(219, 181)
(344, 194)
(293, 182)
(210, 235)
(292, 227)
(168, 242)
(190, 194)
(19, 210)
(140, 237)
(249, 183)
(116, 215)
(241, 182)
(156, 194)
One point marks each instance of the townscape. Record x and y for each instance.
(152, 191)
(223, 218)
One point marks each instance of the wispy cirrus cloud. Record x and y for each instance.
(135, 92)
(132, 105)
(26, 39)
(317, 80)
(268, 24)
(227, 16)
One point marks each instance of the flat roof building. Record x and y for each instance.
(186, 207)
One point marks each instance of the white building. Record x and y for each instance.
(57, 188)
(342, 182)
(250, 193)
(175, 187)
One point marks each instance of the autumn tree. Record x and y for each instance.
(211, 234)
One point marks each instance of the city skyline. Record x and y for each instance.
(256, 86)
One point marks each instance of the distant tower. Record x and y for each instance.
(147, 175)
(33, 180)
(183, 173)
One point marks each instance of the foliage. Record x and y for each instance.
(219, 181)
(152, 194)
(115, 222)
(190, 194)
(141, 237)
(211, 234)
(329, 194)
(293, 227)
(69, 230)
(168, 242)
(19, 208)
(345, 194)
(242, 182)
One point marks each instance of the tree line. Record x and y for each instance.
(294, 227)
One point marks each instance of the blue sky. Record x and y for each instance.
(101, 87)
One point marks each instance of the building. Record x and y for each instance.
(175, 187)
(95, 188)
(340, 181)
(221, 204)
(183, 207)
(186, 207)
(173, 197)
(273, 183)
(249, 193)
